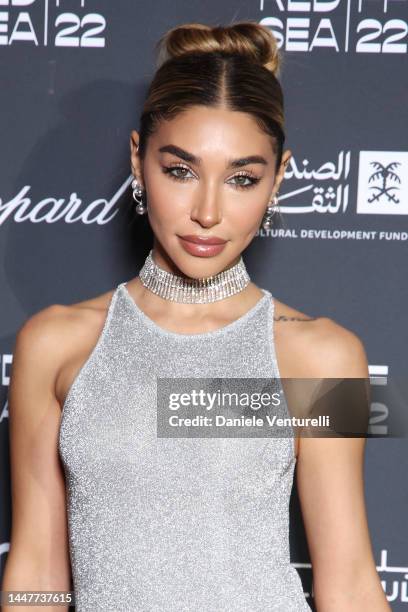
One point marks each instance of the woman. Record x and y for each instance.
(197, 524)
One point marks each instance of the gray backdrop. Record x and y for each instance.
(73, 78)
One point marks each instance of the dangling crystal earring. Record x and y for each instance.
(267, 220)
(138, 193)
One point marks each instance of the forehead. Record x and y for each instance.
(202, 128)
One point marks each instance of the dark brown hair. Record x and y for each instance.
(235, 67)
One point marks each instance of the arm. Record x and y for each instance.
(38, 558)
(330, 483)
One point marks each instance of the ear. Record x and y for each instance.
(280, 174)
(135, 161)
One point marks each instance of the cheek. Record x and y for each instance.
(245, 210)
(164, 209)
(166, 198)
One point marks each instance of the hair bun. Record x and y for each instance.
(246, 38)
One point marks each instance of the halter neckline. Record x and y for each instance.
(215, 332)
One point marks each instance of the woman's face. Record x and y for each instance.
(198, 182)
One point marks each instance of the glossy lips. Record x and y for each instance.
(202, 246)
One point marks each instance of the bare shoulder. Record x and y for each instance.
(316, 347)
(60, 335)
(51, 324)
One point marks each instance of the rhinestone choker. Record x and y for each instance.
(193, 290)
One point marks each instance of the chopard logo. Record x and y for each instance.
(70, 209)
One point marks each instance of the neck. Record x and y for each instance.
(161, 276)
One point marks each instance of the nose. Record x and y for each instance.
(207, 209)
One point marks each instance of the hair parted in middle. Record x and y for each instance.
(234, 67)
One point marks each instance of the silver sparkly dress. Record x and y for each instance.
(174, 524)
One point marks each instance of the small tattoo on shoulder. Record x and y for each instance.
(285, 318)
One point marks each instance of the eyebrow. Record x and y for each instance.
(193, 159)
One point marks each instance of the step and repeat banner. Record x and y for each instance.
(74, 74)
